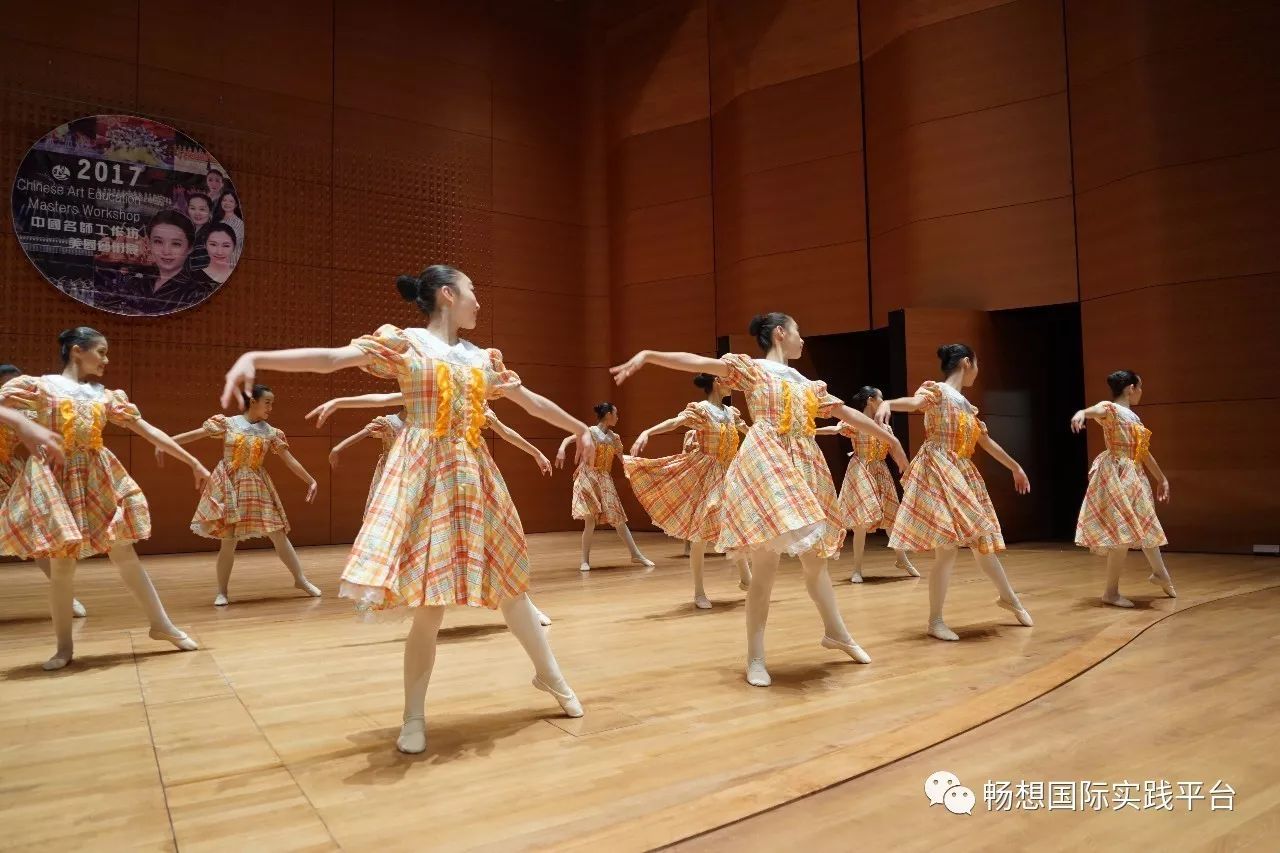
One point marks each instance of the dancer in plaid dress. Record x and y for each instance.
(779, 497)
(1118, 511)
(945, 503)
(89, 504)
(11, 458)
(387, 428)
(240, 501)
(595, 497)
(868, 496)
(684, 493)
(441, 529)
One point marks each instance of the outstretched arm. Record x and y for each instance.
(669, 425)
(302, 473)
(828, 430)
(545, 410)
(345, 443)
(1094, 412)
(325, 410)
(998, 453)
(564, 446)
(1162, 482)
(162, 441)
(514, 438)
(686, 361)
(901, 404)
(180, 439)
(304, 360)
(864, 424)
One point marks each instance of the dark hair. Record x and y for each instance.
(176, 219)
(603, 409)
(219, 214)
(9, 370)
(221, 228)
(255, 394)
(208, 201)
(217, 171)
(762, 325)
(1121, 380)
(705, 381)
(865, 394)
(950, 356)
(80, 336)
(421, 289)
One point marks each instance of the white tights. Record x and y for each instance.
(284, 550)
(1115, 566)
(764, 569)
(859, 548)
(697, 554)
(624, 532)
(944, 563)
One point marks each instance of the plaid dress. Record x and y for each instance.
(594, 494)
(780, 495)
(240, 501)
(441, 527)
(944, 498)
(868, 496)
(385, 428)
(11, 456)
(684, 494)
(1119, 510)
(91, 504)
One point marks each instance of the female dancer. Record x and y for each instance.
(240, 501)
(441, 529)
(684, 494)
(1118, 512)
(386, 428)
(780, 495)
(945, 503)
(88, 505)
(11, 462)
(595, 497)
(868, 497)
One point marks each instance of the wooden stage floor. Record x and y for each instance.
(279, 733)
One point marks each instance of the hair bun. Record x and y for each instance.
(408, 287)
(944, 350)
(756, 324)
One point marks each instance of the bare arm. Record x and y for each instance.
(669, 425)
(515, 439)
(241, 376)
(828, 430)
(162, 441)
(345, 443)
(564, 446)
(545, 410)
(302, 474)
(40, 442)
(1093, 412)
(189, 436)
(857, 420)
(901, 404)
(998, 453)
(325, 410)
(686, 361)
(1162, 482)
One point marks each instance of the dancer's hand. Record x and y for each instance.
(323, 412)
(1020, 481)
(900, 457)
(160, 455)
(1162, 491)
(544, 464)
(201, 474)
(239, 381)
(42, 443)
(311, 491)
(560, 457)
(1077, 421)
(333, 458)
(641, 443)
(623, 372)
(883, 413)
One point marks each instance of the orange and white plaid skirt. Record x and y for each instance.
(683, 494)
(1119, 510)
(595, 496)
(945, 503)
(239, 503)
(868, 497)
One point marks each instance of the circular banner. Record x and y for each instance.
(128, 215)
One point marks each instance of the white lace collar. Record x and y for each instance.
(723, 414)
(242, 424)
(958, 397)
(602, 432)
(779, 369)
(1127, 413)
(81, 390)
(463, 352)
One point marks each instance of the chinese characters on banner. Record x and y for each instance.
(128, 215)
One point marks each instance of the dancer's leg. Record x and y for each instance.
(139, 584)
(1115, 566)
(77, 609)
(62, 574)
(744, 572)
(522, 619)
(588, 530)
(835, 635)
(419, 660)
(696, 556)
(991, 567)
(904, 562)
(630, 542)
(226, 560)
(859, 548)
(1159, 573)
(944, 562)
(288, 556)
(764, 565)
